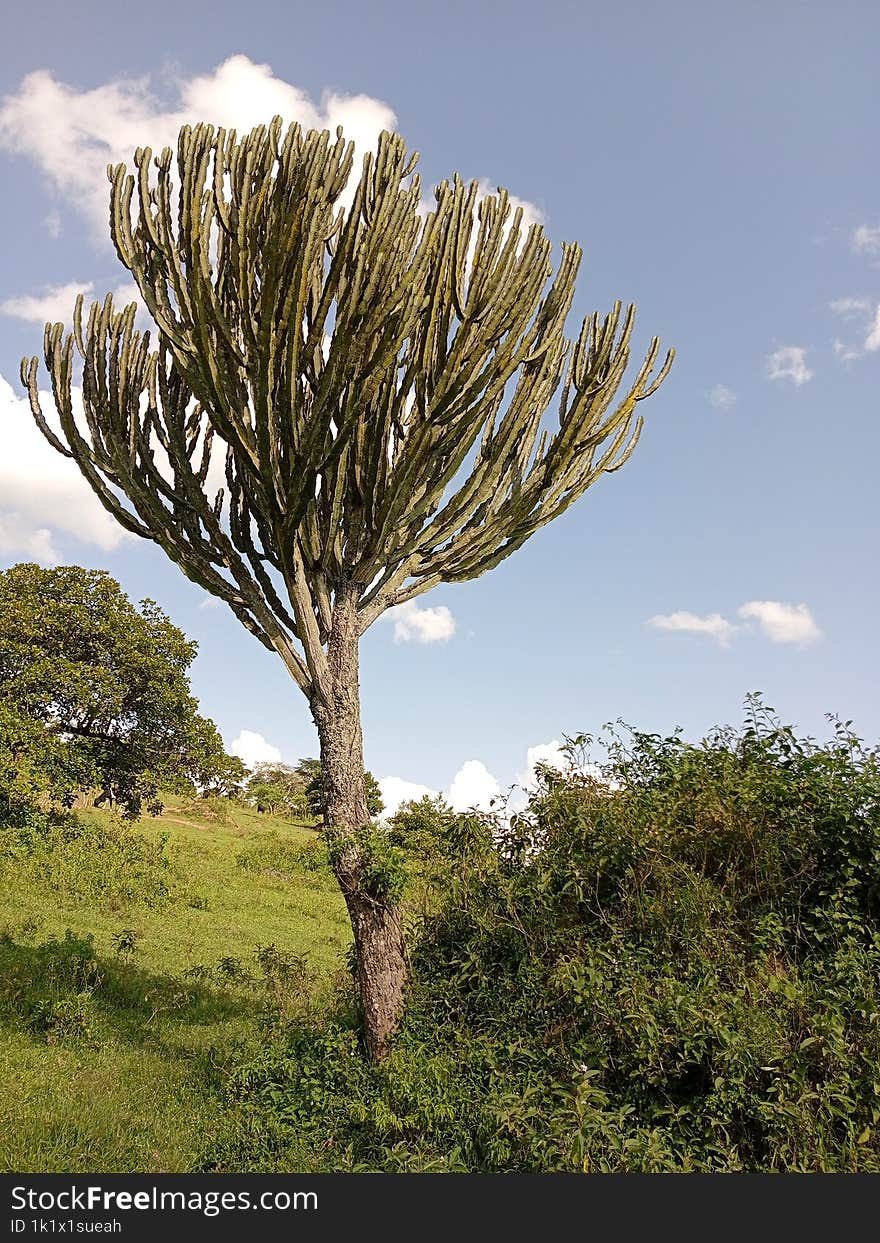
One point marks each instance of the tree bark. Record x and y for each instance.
(378, 936)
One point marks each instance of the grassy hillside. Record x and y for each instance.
(132, 963)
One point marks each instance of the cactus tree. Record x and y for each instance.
(375, 376)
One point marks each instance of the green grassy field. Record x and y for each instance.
(114, 1041)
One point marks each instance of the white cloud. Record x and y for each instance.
(782, 623)
(550, 755)
(865, 311)
(846, 353)
(210, 602)
(721, 397)
(73, 134)
(254, 749)
(55, 304)
(429, 625)
(714, 625)
(848, 308)
(866, 240)
(789, 363)
(41, 491)
(872, 340)
(20, 538)
(53, 225)
(395, 791)
(473, 786)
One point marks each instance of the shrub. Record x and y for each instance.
(50, 987)
(215, 808)
(106, 862)
(673, 967)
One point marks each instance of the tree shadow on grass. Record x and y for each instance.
(61, 991)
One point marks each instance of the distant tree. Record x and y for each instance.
(94, 692)
(278, 789)
(420, 826)
(227, 777)
(312, 774)
(376, 377)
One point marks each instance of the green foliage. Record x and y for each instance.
(381, 865)
(279, 789)
(94, 694)
(311, 774)
(51, 987)
(673, 965)
(225, 777)
(275, 856)
(338, 464)
(72, 858)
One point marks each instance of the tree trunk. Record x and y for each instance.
(378, 936)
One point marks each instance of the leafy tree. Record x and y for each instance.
(377, 379)
(278, 788)
(312, 774)
(227, 778)
(94, 692)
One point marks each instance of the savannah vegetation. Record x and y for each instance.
(670, 963)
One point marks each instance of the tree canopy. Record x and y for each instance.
(94, 692)
(374, 377)
(298, 790)
(349, 364)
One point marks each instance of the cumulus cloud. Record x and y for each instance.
(422, 625)
(73, 134)
(789, 363)
(714, 625)
(41, 491)
(866, 240)
(846, 353)
(548, 755)
(721, 397)
(782, 623)
(253, 749)
(20, 538)
(396, 791)
(473, 786)
(55, 303)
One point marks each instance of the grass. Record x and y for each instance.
(118, 1017)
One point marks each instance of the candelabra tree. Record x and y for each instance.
(342, 408)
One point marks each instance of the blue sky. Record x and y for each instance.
(719, 166)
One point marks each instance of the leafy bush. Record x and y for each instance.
(106, 862)
(673, 965)
(215, 808)
(50, 987)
